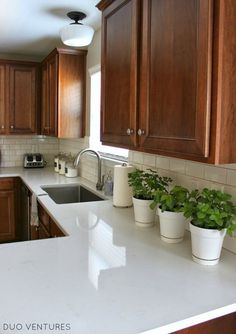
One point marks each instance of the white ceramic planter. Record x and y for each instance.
(206, 244)
(172, 226)
(143, 215)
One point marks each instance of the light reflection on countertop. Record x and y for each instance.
(108, 276)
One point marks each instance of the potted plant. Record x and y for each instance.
(171, 204)
(144, 185)
(212, 215)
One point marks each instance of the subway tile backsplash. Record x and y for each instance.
(193, 175)
(13, 149)
(187, 173)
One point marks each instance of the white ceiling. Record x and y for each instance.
(31, 27)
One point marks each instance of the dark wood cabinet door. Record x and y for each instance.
(175, 77)
(22, 92)
(7, 215)
(45, 125)
(52, 68)
(55, 231)
(225, 324)
(119, 73)
(43, 216)
(2, 99)
(71, 94)
(42, 232)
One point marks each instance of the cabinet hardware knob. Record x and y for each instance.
(141, 132)
(12, 126)
(130, 131)
(2, 127)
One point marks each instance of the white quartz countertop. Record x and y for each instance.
(108, 276)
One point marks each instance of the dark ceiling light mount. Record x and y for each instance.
(76, 16)
(76, 33)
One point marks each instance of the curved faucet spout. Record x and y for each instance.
(99, 184)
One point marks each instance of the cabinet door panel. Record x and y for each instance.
(2, 99)
(175, 76)
(225, 324)
(42, 232)
(22, 113)
(7, 216)
(52, 94)
(119, 72)
(55, 230)
(45, 114)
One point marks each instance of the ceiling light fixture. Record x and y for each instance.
(76, 34)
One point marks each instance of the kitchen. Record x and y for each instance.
(89, 281)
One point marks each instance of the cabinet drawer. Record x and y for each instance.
(6, 183)
(43, 217)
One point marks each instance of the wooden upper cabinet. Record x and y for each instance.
(119, 73)
(18, 97)
(22, 94)
(175, 81)
(49, 96)
(63, 93)
(45, 121)
(2, 99)
(168, 74)
(52, 94)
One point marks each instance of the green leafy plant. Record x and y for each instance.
(145, 183)
(173, 200)
(211, 209)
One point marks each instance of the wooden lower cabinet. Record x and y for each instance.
(7, 216)
(47, 227)
(225, 324)
(14, 210)
(7, 210)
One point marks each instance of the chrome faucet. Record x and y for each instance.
(100, 182)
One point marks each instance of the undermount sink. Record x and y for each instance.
(71, 194)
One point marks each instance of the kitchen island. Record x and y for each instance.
(107, 276)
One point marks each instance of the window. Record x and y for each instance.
(95, 93)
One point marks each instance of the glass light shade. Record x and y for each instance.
(76, 35)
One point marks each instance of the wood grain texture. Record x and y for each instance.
(45, 120)
(7, 210)
(104, 4)
(2, 99)
(184, 75)
(175, 76)
(52, 91)
(223, 122)
(55, 231)
(63, 93)
(119, 72)
(225, 324)
(23, 103)
(71, 96)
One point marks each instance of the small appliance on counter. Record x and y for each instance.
(34, 160)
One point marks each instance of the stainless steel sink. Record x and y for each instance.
(71, 194)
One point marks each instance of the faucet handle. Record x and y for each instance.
(99, 185)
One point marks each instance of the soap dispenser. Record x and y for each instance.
(108, 185)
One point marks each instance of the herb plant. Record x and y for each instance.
(211, 209)
(173, 200)
(145, 183)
